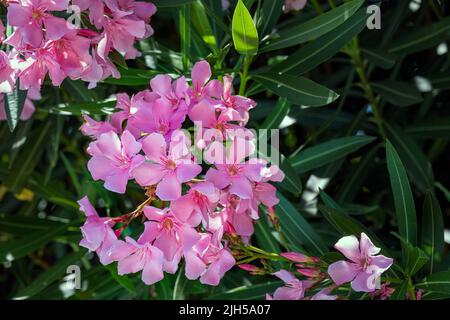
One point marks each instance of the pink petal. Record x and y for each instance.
(152, 272)
(186, 172)
(194, 265)
(365, 282)
(242, 188)
(129, 144)
(342, 271)
(366, 246)
(218, 178)
(148, 174)
(169, 188)
(154, 147)
(286, 276)
(131, 264)
(349, 246)
(117, 182)
(201, 73)
(100, 167)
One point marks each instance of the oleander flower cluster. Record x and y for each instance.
(203, 186)
(362, 270)
(69, 39)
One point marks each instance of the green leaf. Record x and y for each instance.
(431, 128)
(323, 48)
(405, 209)
(291, 181)
(345, 224)
(14, 103)
(170, 3)
(400, 291)
(327, 152)
(379, 58)
(89, 108)
(415, 161)
(437, 282)
(28, 158)
(297, 230)
(279, 112)
(201, 24)
(422, 38)
(432, 230)
(132, 77)
(440, 80)
(49, 276)
(397, 93)
(270, 12)
(245, 35)
(414, 258)
(313, 28)
(264, 236)
(250, 292)
(13, 250)
(185, 34)
(19, 225)
(297, 90)
(124, 281)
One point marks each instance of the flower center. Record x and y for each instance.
(167, 224)
(233, 170)
(37, 14)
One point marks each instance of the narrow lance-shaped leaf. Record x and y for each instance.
(398, 93)
(323, 48)
(313, 28)
(185, 34)
(270, 12)
(415, 161)
(14, 103)
(432, 230)
(324, 153)
(297, 90)
(49, 276)
(405, 209)
(245, 35)
(297, 230)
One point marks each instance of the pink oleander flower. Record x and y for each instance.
(168, 233)
(30, 16)
(94, 128)
(176, 92)
(294, 288)
(218, 121)
(167, 168)
(230, 168)
(129, 108)
(97, 232)
(365, 266)
(241, 104)
(134, 256)
(208, 259)
(199, 202)
(66, 57)
(96, 10)
(121, 29)
(113, 159)
(202, 87)
(159, 117)
(294, 5)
